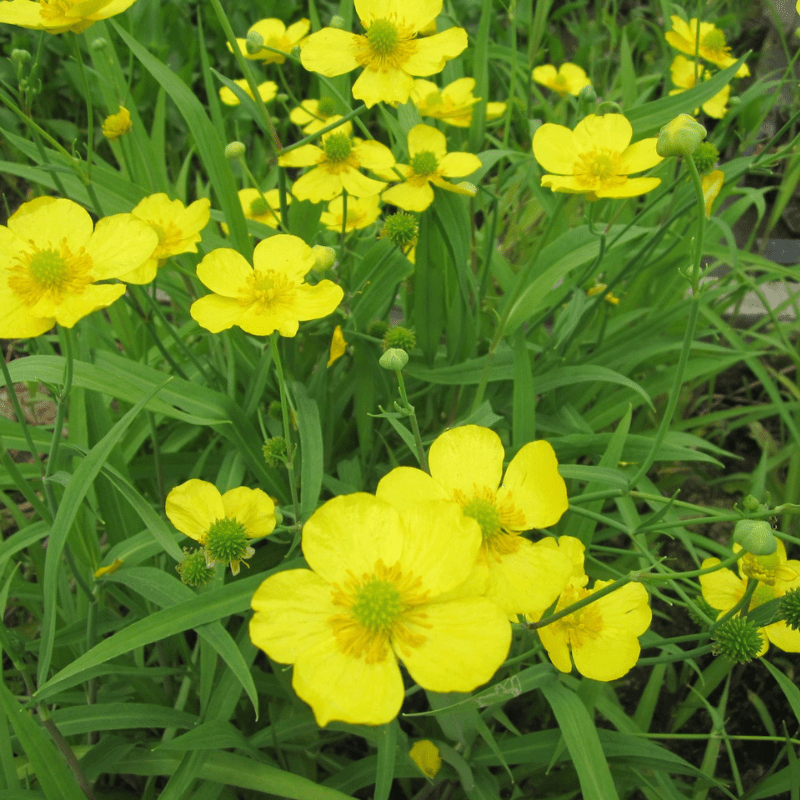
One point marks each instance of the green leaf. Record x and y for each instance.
(312, 457)
(74, 720)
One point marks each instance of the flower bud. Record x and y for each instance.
(337, 22)
(680, 137)
(254, 43)
(20, 57)
(99, 44)
(394, 359)
(234, 150)
(608, 107)
(587, 95)
(750, 503)
(738, 640)
(324, 257)
(755, 536)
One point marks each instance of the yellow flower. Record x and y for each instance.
(270, 296)
(466, 466)
(116, 125)
(336, 166)
(263, 207)
(361, 213)
(776, 575)
(453, 104)
(390, 52)
(266, 90)
(430, 163)
(596, 158)
(685, 74)
(57, 16)
(51, 257)
(602, 637)
(222, 523)
(425, 754)
(274, 34)
(177, 227)
(338, 345)
(712, 183)
(711, 47)
(383, 585)
(567, 79)
(314, 115)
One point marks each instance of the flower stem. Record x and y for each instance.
(287, 428)
(409, 410)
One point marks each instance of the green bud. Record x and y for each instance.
(680, 137)
(789, 608)
(470, 188)
(234, 150)
(399, 337)
(99, 44)
(750, 503)
(737, 639)
(325, 257)
(20, 57)
(608, 107)
(337, 22)
(755, 536)
(394, 359)
(587, 95)
(705, 157)
(377, 328)
(193, 568)
(255, 43)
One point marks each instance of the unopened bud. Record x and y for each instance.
(608, 107)
(394, 359)
(254, 43)
(324, 257)
(99, 44)
(20, 57)
(755, 536)
(680, 137)
(337, 22)
(234, 150)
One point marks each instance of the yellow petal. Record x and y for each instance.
(546, 74)
(433, 52)
(631, 188)
(330, 52)
(425, 754)
(252, 508)
(193, 506)
(611, 131)
(216, 313)
(285, 254)
(315, 302)
(75, 307)
(224, 271)
(304, 156)
(722, 589)
(338, 345)
(317, 185)
(408, 196)
(427, 139)
(349, 534)
(781, 635)
(467, 459)
(48, 221)
(554, 148)
(448, 659)
(532, 483)
(359, 185)
(373, 155)
(383, 86)
(556, 642)
(403, 482)
(459, 165)
(112, 260)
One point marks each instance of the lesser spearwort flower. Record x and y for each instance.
(116, 125)
(602, 637)
(336, 166)
(452, 104)
(567, 79)
(314, 115)
(223, 524)
(776, 575)
(429, 163)
(272, 34)
(596, 158)
(384, 585)
(705, 40)
(51, 261)
(361, 213)
(58, 16)
(263, 207)
(687, 74)
(272, 295)
(390, 51)
(266, 91)
(466, 468)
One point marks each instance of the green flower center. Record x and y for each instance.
(424, 163)
(737, 640)
(338, 147)
(485, 513)
(714, 40)
(383, 37)
(326, 106)
(226, 540)
(377, 604)
(400, 229)
(50, 273)
(259, 207)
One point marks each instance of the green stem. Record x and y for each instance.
(23, 423)
(409, 409)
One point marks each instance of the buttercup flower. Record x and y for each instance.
(602, 637)
(567, 79)
(430, 163)
(263, 207)
(776, 576)
(222, 523)
(314, 115)
(116, 125)
(57, 16)
(466, 467)
(596, 158)
(177, 227)
(336, 166)
(425, 754)
(52, 257)
(453, 104)
(270, 296)
(685, 75)
(390, 51)
(274, 34)
(361, 213)
(711, 47)
(266, 91)
(383, 585)
(338, 345)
